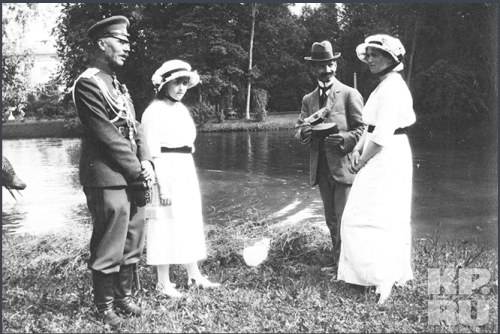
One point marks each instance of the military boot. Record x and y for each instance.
(123, 291)
(104, 297)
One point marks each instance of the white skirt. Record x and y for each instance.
(179, 238)
(375, 228)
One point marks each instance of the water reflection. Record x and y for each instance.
(264, 174)
(53, 197)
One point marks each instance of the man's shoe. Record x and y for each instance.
(109, 317)
(129, 307)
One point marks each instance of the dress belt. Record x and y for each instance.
(183, 149)
(399, 131)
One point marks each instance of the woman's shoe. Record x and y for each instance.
(169, 290)
(385, 291)
(202, 282)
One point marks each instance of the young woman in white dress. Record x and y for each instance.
(170, 131)
(375, 229)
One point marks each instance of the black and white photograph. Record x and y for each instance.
(250, 167)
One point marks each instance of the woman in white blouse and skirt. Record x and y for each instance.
(375, 229)
(170, 132)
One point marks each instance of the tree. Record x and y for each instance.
(212, 37)
(250, 53)
(448, 48)
(279, 65)
(17, 58)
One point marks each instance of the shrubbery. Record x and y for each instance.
(260, 98)
(201, 113)
(450, 91)
(49, 103)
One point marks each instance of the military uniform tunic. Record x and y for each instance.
(113, 147)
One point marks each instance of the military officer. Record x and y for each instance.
(114, 156)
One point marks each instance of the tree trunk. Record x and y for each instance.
(254, 13)
(413, 47)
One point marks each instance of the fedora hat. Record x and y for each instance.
(322, 52)
(114, 26)
(174, 69)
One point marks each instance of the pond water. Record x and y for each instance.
(264, 175)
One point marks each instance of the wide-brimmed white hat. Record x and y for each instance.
(174, 69)
(389, 44)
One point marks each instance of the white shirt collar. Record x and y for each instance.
(323, 84)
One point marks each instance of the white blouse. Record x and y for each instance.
(168, 126)
(389, 107)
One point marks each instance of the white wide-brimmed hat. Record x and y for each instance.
(389, 44)
(174, 69)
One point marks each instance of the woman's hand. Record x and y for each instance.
(356, 162)
(165, 198)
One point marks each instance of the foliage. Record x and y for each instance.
(201, 113)
(47, 286)
(260, 99)
(45, 103)
(433, 34)
(449, 90)
(17, 59)
(279, 49)
(214, 39)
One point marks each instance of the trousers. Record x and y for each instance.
(118, 233)
(334, 195)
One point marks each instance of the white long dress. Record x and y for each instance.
(179, 238)
(375, 229)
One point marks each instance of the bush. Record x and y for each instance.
(74, 125)
(201, 112)
(449, 90)
(48, 103)
(260, 98)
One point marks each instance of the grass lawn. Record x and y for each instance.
(272, 122)
(37, 129)
(47, 287)
(71, 128)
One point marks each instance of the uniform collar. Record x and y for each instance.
(102, 66)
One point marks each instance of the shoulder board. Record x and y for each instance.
(89, 73)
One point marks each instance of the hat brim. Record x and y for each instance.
(118, 22)
(194, 78)
(336, 55)
(361, 51)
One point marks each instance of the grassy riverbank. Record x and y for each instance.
(47, 287)
(66, 128)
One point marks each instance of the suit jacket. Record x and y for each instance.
(107, 157)
(345, 105)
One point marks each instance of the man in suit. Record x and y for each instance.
(114, 156)
(329, 157)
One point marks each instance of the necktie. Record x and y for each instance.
(323, 95)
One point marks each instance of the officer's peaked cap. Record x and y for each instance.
(115, 26)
